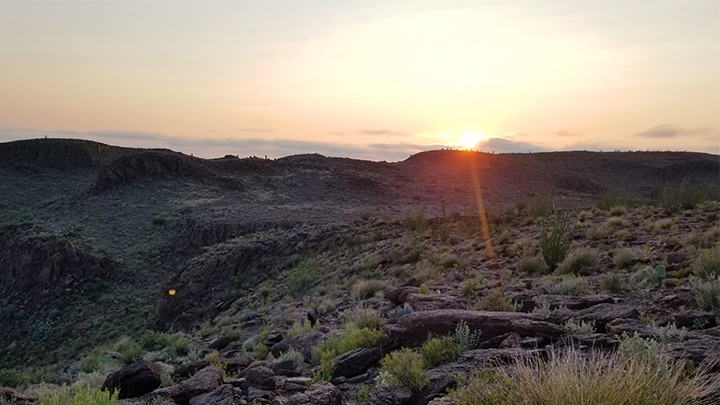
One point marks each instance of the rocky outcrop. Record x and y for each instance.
(15, 397)
(322, 393)
(134, 380)
(30, 255)
(232, 366)
(302, 342)
(356, 361)
(156, 164)
(57, 153)
(202, 382)
(413, 329)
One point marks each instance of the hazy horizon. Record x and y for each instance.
(369, 80)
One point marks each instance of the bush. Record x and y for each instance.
(416, 221)
(555, 239)
(151, 340)
(300, 327)
(496, 301)
(300, 278)
(614, 283)
(292, 355)
(440, 350)
(532, 266)
(352, 338)
(424, 289)
(686, 195)
(570, 285)
(364, 289)
(577, 259)
(578, 328)
(261, 351)
(10, 377)
(367, 319)
(707, 294)
(469, 286)
(541, 205)
(707, 266)
(78, 395)
(465, 338)
(130, 351)
(403, 367)
(573, 378)
(624, 258)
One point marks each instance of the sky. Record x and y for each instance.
(364, 79)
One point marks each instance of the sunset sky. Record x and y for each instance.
(363, 79)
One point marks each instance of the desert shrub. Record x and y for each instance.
(416, 221)
(648, 277)
(614, 283)
(465, 338)
(10, 377)
(686, 194)
(532, 266)
(78, 395)
(437, 351)
(403, 367)
(624, 258)
(571, 377)
(363, 289)
(670, 333)
(206, 328)
(707, 266)
(410, 253)
(570, 285)
(352, 338)
(577, 259)
(366, 319)
(540, 205)
(496, 301)
(608, 199)
(180, 345)
(151, 340)
(647, 350)
(292, 355)
(574, 327)
(327, 368)
(300, 278)
(542, 307)
(707, 294)
(129, 350)
(469, 286)
(300, 327)
(424, 289)
(261, 351)
(555, 239)
(448, 260)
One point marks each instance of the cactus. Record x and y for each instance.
(404, 310)
(648, 277)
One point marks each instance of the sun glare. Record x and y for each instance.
(469, 140)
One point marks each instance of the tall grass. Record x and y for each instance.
(555, 238)
(573, 378)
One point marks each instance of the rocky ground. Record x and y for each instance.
(301, 280)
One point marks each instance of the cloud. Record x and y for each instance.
(410, 147)
(502, 145)
(566, 133)
(335, 133)
(255, 130)
(382, 132)
(666, 131)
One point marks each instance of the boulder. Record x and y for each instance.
(702, 349)
(399, 295)
(322, 393)
(428, 302)
(691, 319)
(302, 342)
(222, 395)
(220, 343)
(232, 366)
(15, 397)
(530, 301)
(204, 381)
(413, 329)
(601, 314)
(391, 396)
(356, 361)
(260, 377)
(133, 380)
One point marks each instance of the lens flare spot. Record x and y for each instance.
(172, 292)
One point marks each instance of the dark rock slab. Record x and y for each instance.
(15, 397)
(356, 361)
(322, 393)
(429, 302)
(223, 395)
(232, 366)
(302, 342)
(134, 380)
(691, 318)
(413, 329)
(601, 314)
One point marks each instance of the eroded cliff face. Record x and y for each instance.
(30, 255)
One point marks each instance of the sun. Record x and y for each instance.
(469, 140)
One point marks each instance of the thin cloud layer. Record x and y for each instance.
(667, 131)
(502, 145)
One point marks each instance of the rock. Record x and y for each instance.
(413, 329)
(204, 381)
(296, 384)
(601, 314)
(255, 394)
(302, 342)
(322, 393)
(399, 295)
(692, 319)
(473, 360)
(629, 326)
(285, 368)
(530, 301)
(356, 361)
(15, 397)
(232, 366)
(703, 349)
(220, 343)
(260, 377)
(223, 395)
(428, 302)
(391, 396)
(676, 258)
(133, 380)
(439, 383)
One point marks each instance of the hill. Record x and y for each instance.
(93, 237)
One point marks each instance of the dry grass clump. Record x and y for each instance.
(363, 289)
(574, 378)
(624, 258)
(707, 266)
(577, 260)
